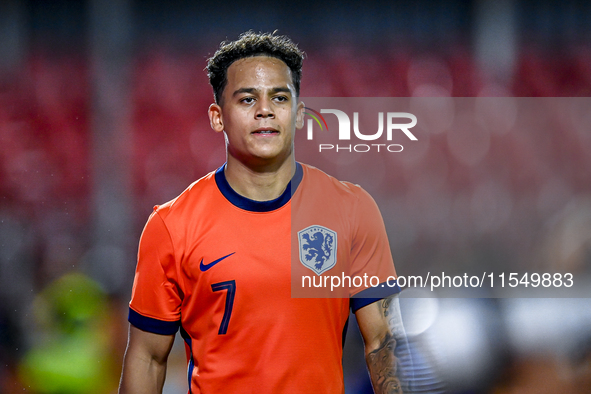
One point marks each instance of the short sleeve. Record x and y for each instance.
(370, 253)
(156, 294)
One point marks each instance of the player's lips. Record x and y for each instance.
(265, 131)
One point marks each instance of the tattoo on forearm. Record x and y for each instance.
(382, 367)
(389, 309)
(386, 306)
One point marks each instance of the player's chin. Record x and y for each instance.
(272, 152)
(267, 156)
(269, 146)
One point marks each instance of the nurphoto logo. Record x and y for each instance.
(395, 122)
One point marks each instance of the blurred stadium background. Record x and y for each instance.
(103, 115)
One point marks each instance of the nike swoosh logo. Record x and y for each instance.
(205, 267)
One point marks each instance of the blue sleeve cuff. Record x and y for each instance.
(153, 325)
(371, 295)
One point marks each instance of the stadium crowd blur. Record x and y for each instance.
(73, 199)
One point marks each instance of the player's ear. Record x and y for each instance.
(300, 115)
(215, 117)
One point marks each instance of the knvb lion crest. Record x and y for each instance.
(318, 248)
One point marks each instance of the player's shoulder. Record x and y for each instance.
(190, 198)
(329, 185)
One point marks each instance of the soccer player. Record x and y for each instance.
(216, 262)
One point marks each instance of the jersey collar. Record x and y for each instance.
(258, 206)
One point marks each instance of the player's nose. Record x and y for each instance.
(264, 109)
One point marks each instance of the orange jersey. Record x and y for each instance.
(221, 266)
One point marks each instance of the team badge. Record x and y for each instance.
(318, 248)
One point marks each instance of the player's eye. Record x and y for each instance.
(281, 98)
(247, 100)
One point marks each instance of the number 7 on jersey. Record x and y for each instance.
(230, 287)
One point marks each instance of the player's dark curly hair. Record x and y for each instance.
(253, 44)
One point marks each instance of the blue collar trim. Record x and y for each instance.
(258, 206)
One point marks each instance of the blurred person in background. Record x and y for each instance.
(215, 261)
(72, 352)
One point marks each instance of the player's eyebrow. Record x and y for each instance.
(283, 89)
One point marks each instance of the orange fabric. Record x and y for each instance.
(273, 343)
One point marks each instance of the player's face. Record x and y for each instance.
(258, 112)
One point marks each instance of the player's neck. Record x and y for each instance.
(261, 183)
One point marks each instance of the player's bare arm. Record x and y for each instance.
(144, 365)
(381, 327)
